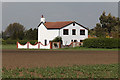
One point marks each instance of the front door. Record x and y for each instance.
(45, 42)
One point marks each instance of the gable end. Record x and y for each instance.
(76, 23)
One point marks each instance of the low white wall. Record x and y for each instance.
(33, 46)
(44, 46)
(21, 46)
(30, 46)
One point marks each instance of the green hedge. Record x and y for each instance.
(4, 42)
(101, 43)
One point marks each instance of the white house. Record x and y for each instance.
(69, 31)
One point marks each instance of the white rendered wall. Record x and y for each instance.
(43, 20)
(67, 38)
(48, 34)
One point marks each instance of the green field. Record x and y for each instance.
(83, 48)
(76, 48)
(75, 71)
(9, 46)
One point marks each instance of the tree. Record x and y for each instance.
(4, 36)
(91, 32)
(57, 39)
(31, 34)
(116, 32)
(35, 33)
(109, 26)
(15, 31)
(28, 34)
(1, 35)
(99, 31)
(108, 22)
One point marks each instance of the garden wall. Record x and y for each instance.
(38, 45)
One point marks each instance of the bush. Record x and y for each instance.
(101, 43)
(57, 39)
(4, 42)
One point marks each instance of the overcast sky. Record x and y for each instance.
(29, 13)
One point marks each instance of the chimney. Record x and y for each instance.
(42, 19)
(42, 16)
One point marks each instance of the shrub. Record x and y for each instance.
(101, 43)
(20, 41)
(57, 39)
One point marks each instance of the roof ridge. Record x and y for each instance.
(64, 21)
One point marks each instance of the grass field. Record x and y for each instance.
(9, 46)
(75, 71)
(83, 48)
(76, 48)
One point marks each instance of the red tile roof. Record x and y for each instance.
(54, 25)
(59, 25)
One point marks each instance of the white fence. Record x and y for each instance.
(35, 46)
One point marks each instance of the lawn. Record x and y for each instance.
(83, 48)
(75, 48)
(75, 71)
(9, 46)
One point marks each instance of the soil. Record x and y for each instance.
(53, 58)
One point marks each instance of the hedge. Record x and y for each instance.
(101, 43)
(4, 42)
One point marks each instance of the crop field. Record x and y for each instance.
(75, 71)
(59, 63)
(53, 58)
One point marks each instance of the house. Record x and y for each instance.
(69, 31)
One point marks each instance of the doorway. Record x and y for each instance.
(45, 42)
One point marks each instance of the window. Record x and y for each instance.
(73, 32)
(71, 40)
(45, 42)
(81, 40)
(75, 40)
(73, 24)
(82, 32)
(65, 31)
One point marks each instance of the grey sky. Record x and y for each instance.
(119, 9)
(29, 13)
(0, 16)
(60, 0)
